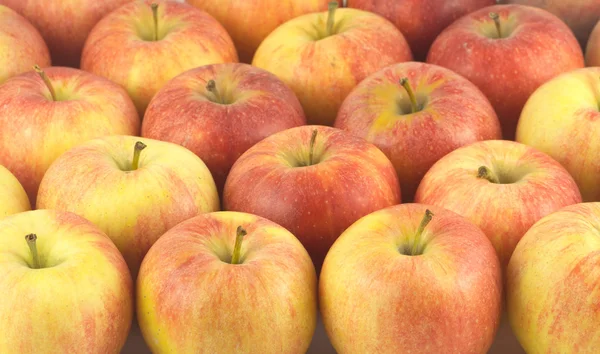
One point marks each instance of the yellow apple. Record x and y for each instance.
(12, 195)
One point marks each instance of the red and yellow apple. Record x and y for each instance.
(553, 283)
(219, 111)
(13, 196)
(411, 278)
(250, 22)
(323, 56)
(43, 115)
(501, 186)
(592, 52)
(565, 126)
(144, 44)
(65, 286)
(133, 189)
(313, 180)
(432, 112)
(227, 282)
(508, 51)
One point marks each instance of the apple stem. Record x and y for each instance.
(46, 81)
(426, 219)
(494, 16)
(411, 94)
(154, 7)
(211, 86)
(240, 233)
(139, 146)
(484, 172)
(313, 138)
(333, 5)
(31, 242)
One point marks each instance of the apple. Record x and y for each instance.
(579, 15)
(44, 114)
(553, 283)
(219, 111)
(13, 196)
(503, 187)
(21, 44)
(411, 278)
(416, 113)
(420, 21)
(323, 56)
(313, 180)
(144, 44)
(565, 126)
(592, 53)
(133, 189)
(64, 24)
(65, 286)
(227, 282)
(508, 51)
(250, 22)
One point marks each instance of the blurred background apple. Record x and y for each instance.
(13, 196)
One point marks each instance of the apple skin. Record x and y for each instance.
(592, 52)
(13, 196)
(35, 130)
(120, 46)
(250, 22)
(258, 105)
(350, 178)
(21, 45)
(414, 142)
(531, 186)
(323, 70)
(553, 283)
(540, 46)
(191, 299)
(133, 207)
(420, 21)
(375, 299)
(565, 126)
(80, 300)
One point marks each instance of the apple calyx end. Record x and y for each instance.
(46, 80)
(31, 240)
(239, 237)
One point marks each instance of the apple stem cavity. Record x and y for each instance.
(311, 150)
(31, 242)
(494, 16)
(239, 237)
(211, 87)
(484, 172)
(426, 219)
(46, 81)
(333, 5)
(411, 94)
(137, 150)
(154, 7)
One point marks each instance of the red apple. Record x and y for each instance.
(592, 53)
(449, 112)
(43, 117)
(323, 56)
(144, 44)
(219, 111)
(313, 180)
(501, 186)
(411, 278)
(227, 282)
(508, 51)
(64, 24)
(420, 21)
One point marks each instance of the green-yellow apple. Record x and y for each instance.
(250, 22)
(420, 21)
(64, 24)
(565, 126)
(416, 113)
(21, 45)
(313, 180)
(44, 114)
(144, 44)
(508, 51)
(219, 111)
(13, 196)
(592, 52)
(65, 286)
(411, 278)
(501, 186)
(134, 189)
(227, 282)
(322, 56)
(553, 282)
